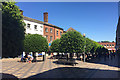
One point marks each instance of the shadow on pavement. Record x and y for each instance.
(32, 62)
(6, 76)
(113, 61)
(74, 72)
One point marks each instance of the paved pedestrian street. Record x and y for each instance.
(98, 68)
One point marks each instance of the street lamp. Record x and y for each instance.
(84, 46)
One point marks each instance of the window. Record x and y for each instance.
(35, 27)
(41, 27)
(57, 32)
(60, 33)
(28, 26)
(46, 37)
(112, 44)
(107, 45)
(46, 29)
(104, 45)
(50, 38)
(40, 30)
(51, 30)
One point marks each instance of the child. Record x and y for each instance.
(30, 58)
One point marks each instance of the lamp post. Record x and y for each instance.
(84, 46)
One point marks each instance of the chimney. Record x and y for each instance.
(21, 12)
(45, 16)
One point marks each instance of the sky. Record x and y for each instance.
(67, 0)
(98, 20)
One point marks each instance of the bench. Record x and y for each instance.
(69, 61)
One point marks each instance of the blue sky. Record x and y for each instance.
(98, 20)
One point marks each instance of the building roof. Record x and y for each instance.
(37, 21)
(70, 29)
(32, 20)
(106, 42)
(64, 31)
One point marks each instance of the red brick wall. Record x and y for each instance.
(108, 47)
(45, 17)
(49, 33)
(58, 36)
(53, 34)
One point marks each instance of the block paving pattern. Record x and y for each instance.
(49, 69)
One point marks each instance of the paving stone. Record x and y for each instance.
(81, 70)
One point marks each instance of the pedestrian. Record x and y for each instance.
(114, 55)
(86, 56)
(51, 56)
(30, 58)
(26, 57)
(81, 57)
(22, 59)
(108, 55)
(111, 55)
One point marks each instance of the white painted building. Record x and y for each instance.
(33, 26)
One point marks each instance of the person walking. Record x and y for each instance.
(111, 55)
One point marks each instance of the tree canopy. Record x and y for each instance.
(89, 45)
(12, 30)
(72, 42)
(55, 46)
(35, 43)
(105, 41)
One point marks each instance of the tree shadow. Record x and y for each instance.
(6, 76)
(32, 61)
(113, 61)
(74, 72)
(38, 61)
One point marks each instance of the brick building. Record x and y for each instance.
(50, 31)
(109, 45)
(70, 29)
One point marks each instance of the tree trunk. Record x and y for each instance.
(67, 57)
(34, 57)
(77, 55)
(71, 55)
(43, 57)
(58, 53)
